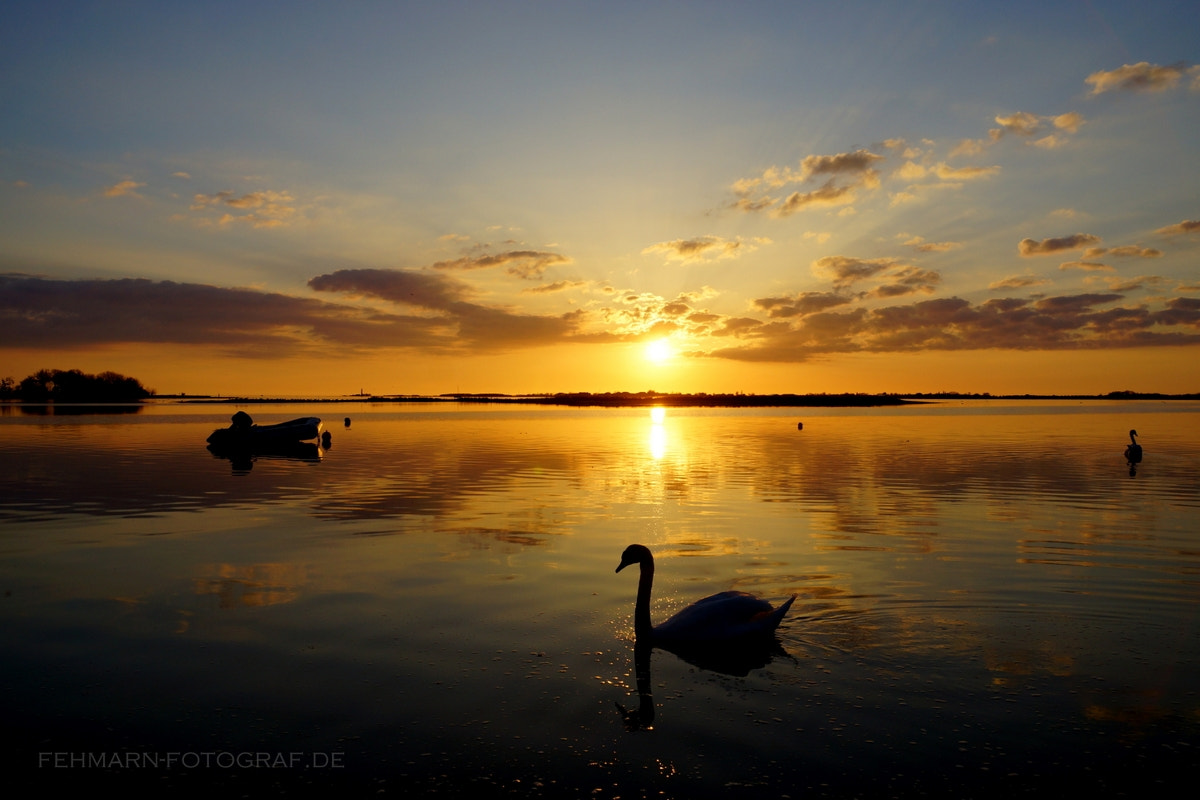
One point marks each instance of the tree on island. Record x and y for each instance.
(74, 386)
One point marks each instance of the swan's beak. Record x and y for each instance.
(625, 564)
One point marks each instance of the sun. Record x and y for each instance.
(659, 351)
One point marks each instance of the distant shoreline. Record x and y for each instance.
(606, 400)
(678, 400)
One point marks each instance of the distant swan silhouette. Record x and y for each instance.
(727, 618)
(1133, 452)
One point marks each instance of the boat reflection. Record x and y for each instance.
(242, 458)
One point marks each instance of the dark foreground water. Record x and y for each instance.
(988, 603)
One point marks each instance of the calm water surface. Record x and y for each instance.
(988, 603)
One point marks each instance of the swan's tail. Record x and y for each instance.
(776, 616)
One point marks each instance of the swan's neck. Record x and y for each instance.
(641, 612)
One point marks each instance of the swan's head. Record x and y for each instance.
(635, 554)
(1132, 434)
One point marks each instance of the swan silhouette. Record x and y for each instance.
(1133, 453)
(709, 625)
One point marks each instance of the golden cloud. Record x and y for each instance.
(948, 173)
(854, 169)
(1018, 282)
(704, 248)
(1124, 251)
(1087, 266)
(858, 162)
(1032, 247)
(827, 195)
(1186, 226)
(527, 264)
(845, 270)
(1022, 123)
(126, 188)
(1140, 77)
(261, 209)
(1084, 321)
(921, 246)
(1069, 122)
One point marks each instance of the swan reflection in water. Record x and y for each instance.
(640, 718)
(1133, 453)
(729, 632)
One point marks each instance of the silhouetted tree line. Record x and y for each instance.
(74, 386)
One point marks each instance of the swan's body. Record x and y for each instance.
(722, 619)
(1133, 451)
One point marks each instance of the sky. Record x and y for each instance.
(318, 199)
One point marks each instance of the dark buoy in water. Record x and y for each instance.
(799, 426)
(326, 439)
(347, 422)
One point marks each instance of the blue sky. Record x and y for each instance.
(521, 196)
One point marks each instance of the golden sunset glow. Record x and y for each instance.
(659, 351)
(421, 206)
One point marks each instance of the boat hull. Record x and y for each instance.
(255, 436)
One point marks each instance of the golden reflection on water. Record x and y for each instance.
(955, 572)
(658, 433)
(251, 585)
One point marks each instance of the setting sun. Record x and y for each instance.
(659, 351)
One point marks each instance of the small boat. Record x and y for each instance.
(243, 433)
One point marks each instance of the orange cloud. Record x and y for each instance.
(1021, 123)
(1140, 77)
(1018, 282)
(854, 169)
(557, 286)
(859, 162)
(261, 209)
(1089, 266)
(801, 304)
(126, 188)
(702, 248)
(827, 195)
(1069, 122)
(921, 246)
(893, 277)
(1116, 284)
(1084, 321)
(1186, 226)
(527, 264)
(478, 327)
(844, 271)
(445, 319)
(48, 313)
(1124, 251)
(1032, 247)
(948, 173)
